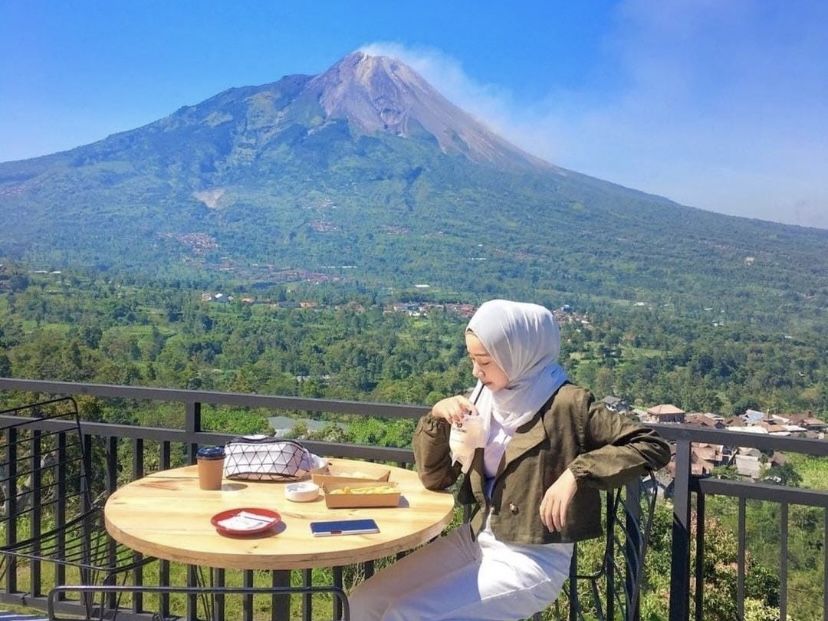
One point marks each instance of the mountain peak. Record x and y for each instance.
(374, 93)
(383, 94)
(372, 71)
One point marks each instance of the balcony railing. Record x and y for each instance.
(158, 448)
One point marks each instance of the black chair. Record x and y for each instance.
(614, 586)
(50, 517)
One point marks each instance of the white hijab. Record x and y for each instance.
(524, 341)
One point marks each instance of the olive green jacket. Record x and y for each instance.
(602, 449)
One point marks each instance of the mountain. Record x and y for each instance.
(379, 94)
(367, 174)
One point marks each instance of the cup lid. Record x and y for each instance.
(210, 452)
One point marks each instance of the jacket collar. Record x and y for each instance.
(526, 437)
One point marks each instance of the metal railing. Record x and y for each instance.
(168, 446)
(685, 485)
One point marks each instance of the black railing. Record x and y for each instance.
(168, 447)
(172, 447)
(685, 485)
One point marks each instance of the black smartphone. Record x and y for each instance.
(343, 527)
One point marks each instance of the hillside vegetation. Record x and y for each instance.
(347, 345)
(335, 178)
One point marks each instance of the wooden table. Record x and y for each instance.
(167, 516)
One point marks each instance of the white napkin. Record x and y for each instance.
(245, 520)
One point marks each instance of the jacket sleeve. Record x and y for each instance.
(615, 448)
(432, 455)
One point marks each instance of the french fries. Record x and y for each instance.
(371, 489)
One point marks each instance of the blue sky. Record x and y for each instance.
(718, 104)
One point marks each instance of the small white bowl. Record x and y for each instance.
(302, 492)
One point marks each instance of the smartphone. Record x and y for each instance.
(343, 527)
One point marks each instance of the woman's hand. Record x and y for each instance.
(556, 501)
(453, 409)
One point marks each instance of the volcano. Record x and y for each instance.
(366, 174)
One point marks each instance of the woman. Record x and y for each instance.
(546, 449)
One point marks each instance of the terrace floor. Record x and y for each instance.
(20, 616)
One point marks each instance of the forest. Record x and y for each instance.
(338, 341)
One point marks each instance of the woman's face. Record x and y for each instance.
(484, 367)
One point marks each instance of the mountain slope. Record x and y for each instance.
(366, 166)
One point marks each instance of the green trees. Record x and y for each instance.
(719, 574)
(81, 328)
(761, 582)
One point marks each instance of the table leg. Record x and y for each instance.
(281, 603)
(337, 580)
(205, 580)
(218, 603)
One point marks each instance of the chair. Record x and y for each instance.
(629, 519)
(49, 516)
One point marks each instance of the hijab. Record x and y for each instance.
(524, 340)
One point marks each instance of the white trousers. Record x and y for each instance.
(457, 578)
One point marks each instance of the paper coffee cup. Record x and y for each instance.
(210, 467)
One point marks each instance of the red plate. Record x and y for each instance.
(245, 521)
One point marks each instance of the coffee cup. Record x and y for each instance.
(210, 467)
(465, 437)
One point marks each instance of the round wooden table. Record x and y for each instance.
(167, 516)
